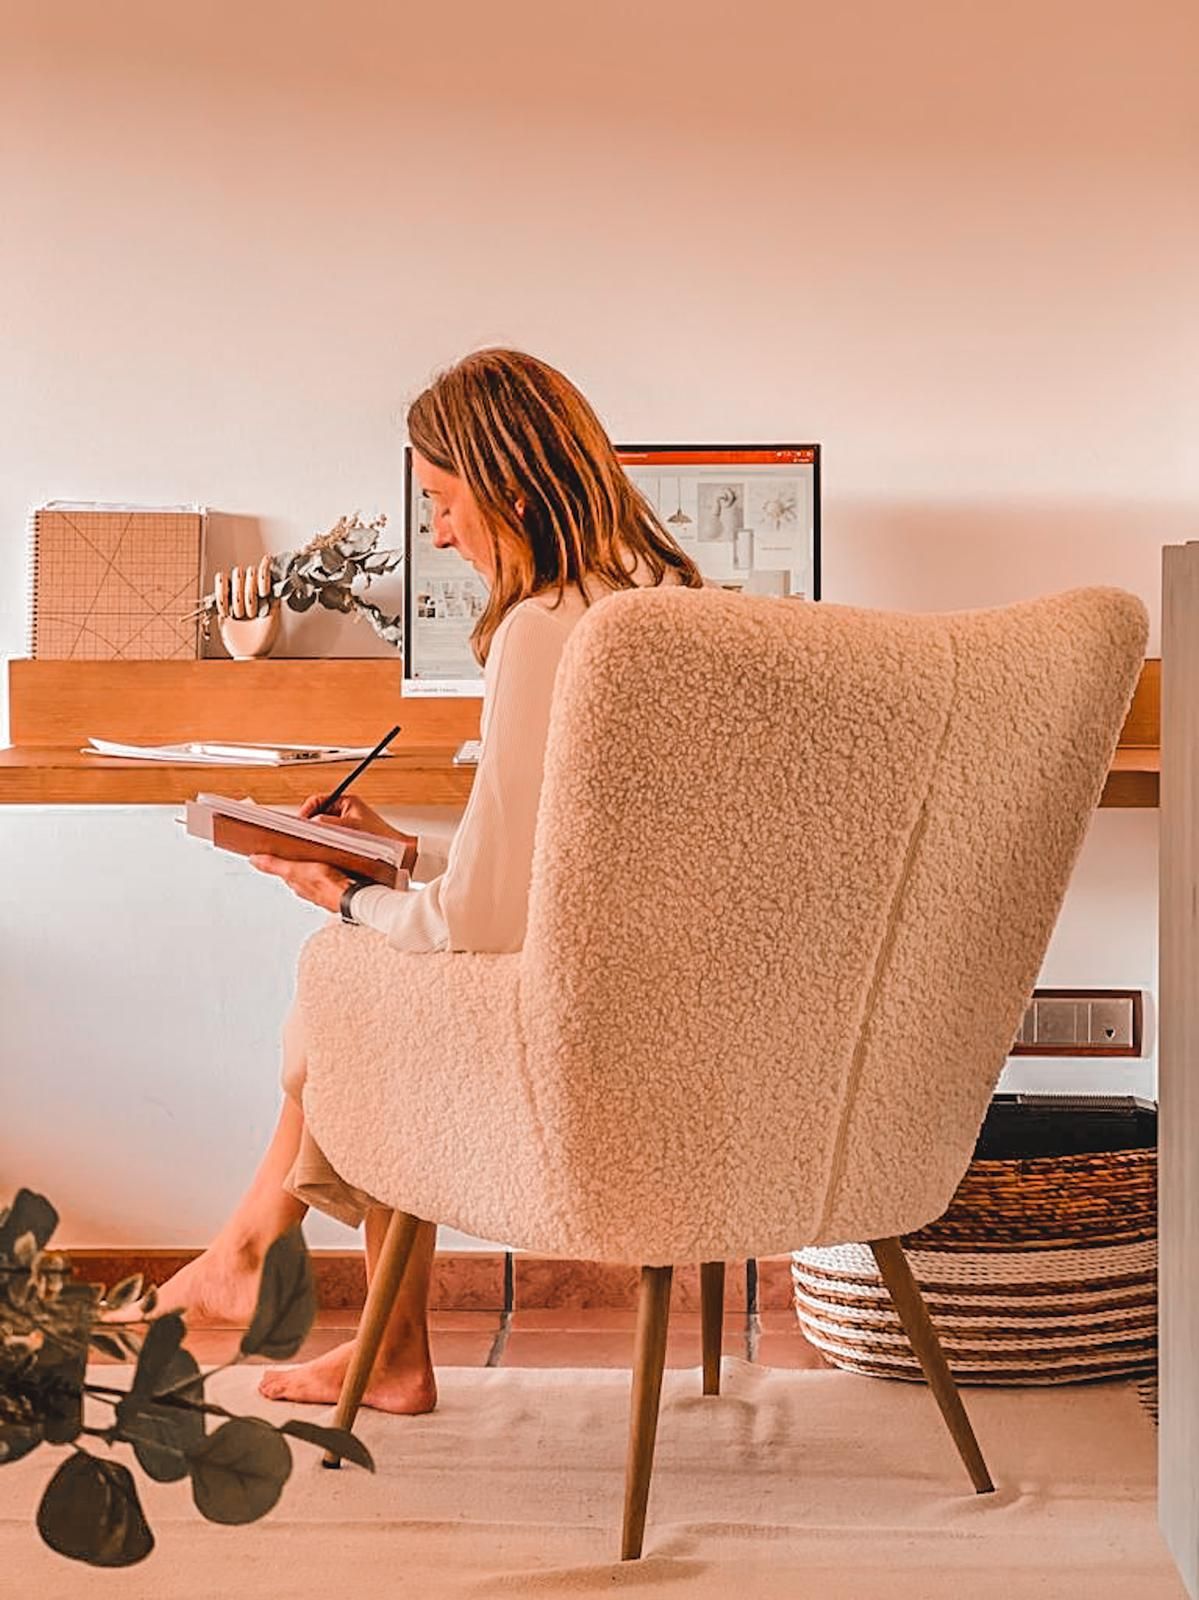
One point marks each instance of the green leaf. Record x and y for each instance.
(239, 1471)
(109, 1343)
(90, 1512)
(29, 1213)
(163, 1434)
(158, 1351)
(131, 1341)
(359, 541)
(339, 1440)
(382, 561)
(61, 1363)
(16, 1442)
(286, 1301)
(124, 1293)
(62, 1414)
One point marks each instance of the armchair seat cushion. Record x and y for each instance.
(416, 1089)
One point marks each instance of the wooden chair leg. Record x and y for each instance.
(385, 1285)
(653, 1315)
(711, 1300)
(913, 1314)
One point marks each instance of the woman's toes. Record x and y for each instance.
(270, 1385)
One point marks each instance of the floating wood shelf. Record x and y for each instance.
(56, 706)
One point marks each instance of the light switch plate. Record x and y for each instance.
(1081, 1022)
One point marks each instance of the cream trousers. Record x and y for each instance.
(312, 1178)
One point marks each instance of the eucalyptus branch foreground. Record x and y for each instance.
(90, 1510)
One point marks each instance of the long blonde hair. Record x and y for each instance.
(517, 432)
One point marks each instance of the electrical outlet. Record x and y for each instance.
(1111, 1022)
(1081, 1022)
(1056, 1022)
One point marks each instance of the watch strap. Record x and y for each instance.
(345, 904)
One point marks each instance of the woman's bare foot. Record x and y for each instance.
(404, 1386)
(218, 1287)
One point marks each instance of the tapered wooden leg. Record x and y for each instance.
(913, 1314)
(653, 1314)
(385, 1285)
(711, 1299)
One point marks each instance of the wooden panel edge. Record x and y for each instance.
(463, 1280)
(468, 1280)
(1178, 1083)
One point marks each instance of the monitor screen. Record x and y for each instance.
(747, 515)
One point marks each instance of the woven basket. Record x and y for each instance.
(1043, 1270)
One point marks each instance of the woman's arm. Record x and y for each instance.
(480, 901)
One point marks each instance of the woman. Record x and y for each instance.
(525, 485)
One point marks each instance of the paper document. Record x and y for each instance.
(191, 509)
(209, 753)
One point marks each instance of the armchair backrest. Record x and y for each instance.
(795, 873)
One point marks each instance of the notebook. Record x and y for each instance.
(114, 582)
(248, 829)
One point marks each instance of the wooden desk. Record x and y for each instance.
(421, 775)
(56, 706)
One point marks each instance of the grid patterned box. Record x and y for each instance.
(115, 583)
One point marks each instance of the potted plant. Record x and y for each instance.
(334, 570)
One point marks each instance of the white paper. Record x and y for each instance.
(192, 510)
(248, 756)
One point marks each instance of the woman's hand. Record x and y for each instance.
(312, 880)
(351, 812)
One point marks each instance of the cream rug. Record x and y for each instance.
(791, 1486)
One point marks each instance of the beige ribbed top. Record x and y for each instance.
(476, 898)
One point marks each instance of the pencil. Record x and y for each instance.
(360, 768)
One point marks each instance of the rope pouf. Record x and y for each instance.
(1043, 1270)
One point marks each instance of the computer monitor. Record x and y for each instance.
(747, 515)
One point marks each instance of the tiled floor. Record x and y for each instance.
(560, 1338)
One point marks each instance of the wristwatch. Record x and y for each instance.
(346, 902)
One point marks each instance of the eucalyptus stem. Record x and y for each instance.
(103, 1392)
(167, 1398)
(184, 1383)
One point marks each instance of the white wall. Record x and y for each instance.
(956, 243)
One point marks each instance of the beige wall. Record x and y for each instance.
(955, 242)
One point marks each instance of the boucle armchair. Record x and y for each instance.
(795, 872)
